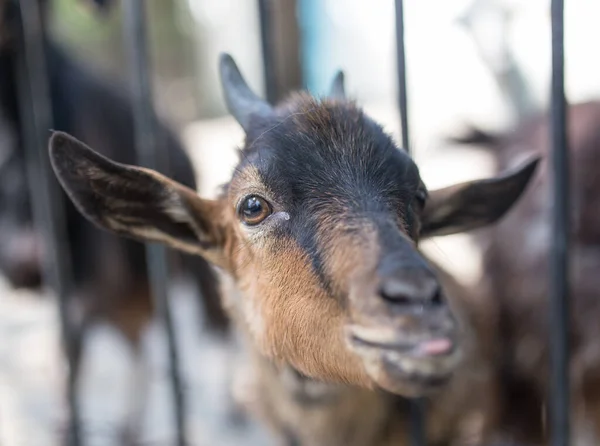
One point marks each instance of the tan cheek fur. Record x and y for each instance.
(279, 300)
(289, 316)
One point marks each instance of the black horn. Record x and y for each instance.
(241, 102)
(337, 90)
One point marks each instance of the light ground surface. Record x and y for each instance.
(31, 410)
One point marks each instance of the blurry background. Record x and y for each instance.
(485, 62)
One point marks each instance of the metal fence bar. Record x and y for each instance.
(418, 435)
(559, 269)
(46, 197)
(268, 52)
(149, 155)
(401, 72)
(417, 406)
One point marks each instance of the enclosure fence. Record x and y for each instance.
(36, 109)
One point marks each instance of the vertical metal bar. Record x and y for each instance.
(417, 406)
(559, 269)
(46, 197)
(268, 50)
(418, 435)
(150, 156)
(401, 72)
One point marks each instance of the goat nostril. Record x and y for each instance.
(396, 291)
(411, 292)
(399, 299)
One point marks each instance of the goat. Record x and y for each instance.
(318, 230)
(516, 255)
(110, 278)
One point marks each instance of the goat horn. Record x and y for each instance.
(337, 90)
(241, 102)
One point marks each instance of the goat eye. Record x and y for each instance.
(254, 209)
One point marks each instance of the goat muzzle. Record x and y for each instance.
(409, 345)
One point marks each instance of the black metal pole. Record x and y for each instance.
(559, 270)
(418, 436)
(151, 157)
(401, 72)
(268, 52)
(417, 406)
(46, 197)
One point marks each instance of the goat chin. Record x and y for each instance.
(407, 373)
(410, 377)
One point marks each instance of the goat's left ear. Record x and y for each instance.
(474, 204)
(136, 202)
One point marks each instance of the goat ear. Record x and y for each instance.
(474, 204)
(135, 202)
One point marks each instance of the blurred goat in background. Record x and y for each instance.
(517, 267)
(110, 277)
(516, 252)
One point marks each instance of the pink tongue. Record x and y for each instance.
(436, 346)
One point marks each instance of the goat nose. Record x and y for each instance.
(410, 287)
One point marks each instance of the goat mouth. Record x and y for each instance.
(408, 368)
(361, 338)
(408, 375)
(432, 347)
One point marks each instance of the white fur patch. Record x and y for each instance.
(253, 317)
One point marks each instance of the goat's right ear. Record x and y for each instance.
(474, 204)
(136, 202)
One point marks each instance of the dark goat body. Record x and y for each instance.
(516, 275)
(87, 106)
(110, 278)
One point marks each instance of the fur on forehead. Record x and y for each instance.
(328, 121)
(306, 135)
